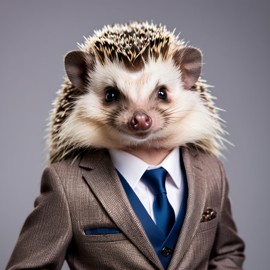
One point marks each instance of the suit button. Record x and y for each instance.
(166, 251)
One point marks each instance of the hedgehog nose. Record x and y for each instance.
(140, 121)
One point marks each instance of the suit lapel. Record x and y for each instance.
(195, 205)
(102, 179)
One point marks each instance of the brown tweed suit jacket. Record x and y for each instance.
(88, 194)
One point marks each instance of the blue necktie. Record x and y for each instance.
(163, 211)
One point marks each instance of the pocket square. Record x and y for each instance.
(208, 215)
(98, 231)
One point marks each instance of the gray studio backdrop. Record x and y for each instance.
(234, 37)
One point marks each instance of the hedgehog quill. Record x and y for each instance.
(134, 179)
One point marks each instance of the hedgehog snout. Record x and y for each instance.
(140, 121)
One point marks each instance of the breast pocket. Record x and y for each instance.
(209, 219)
(208, 225)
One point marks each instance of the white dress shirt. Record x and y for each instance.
(132, 168)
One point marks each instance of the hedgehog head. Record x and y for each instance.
(122, 50)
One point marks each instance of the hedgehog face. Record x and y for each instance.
(121, 108)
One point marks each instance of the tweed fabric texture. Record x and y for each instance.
(87, 193)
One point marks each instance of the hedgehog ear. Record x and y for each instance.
(190, 62)
(77, 65)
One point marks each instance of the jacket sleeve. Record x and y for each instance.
(46, 234)
(228, 250)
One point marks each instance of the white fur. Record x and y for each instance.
(190, 120)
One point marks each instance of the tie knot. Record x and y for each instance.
(155, 180)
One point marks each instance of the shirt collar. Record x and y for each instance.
(172, 165)
(132, 168)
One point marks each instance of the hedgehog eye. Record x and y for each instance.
(111, 95)
(162, 93)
